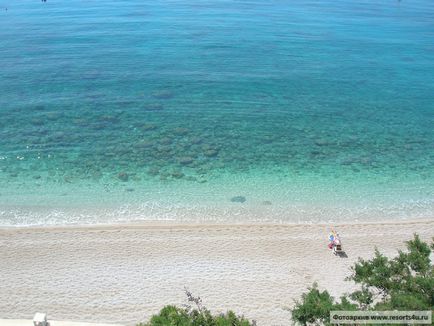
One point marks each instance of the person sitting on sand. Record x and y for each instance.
(334, 239)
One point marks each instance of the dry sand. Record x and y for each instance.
(125, 273)
(28, 322)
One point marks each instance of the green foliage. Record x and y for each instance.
(170, 315)
(363, 298)
(315, 307)
(405, 282)
(345, 304)
(174, 316)
(198, 316)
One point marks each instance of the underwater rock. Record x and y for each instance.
(321, 142)
(129, 189)
(200, 170)
(162, 156)
(52, 173)
(180, 131)
(39, 107)
(166, 141)
(122, 150)
(348, 161)
(148, 127)
(153, 171)
(96, 175)
(184, 148)
(366, 160)
(108, 118)
(211, 153)
(204, 169)
(99, 126)
(238, 199)
(37, 122)
(53, 115)
(58, 135)
(80, 121)
(154, 107)
(177, 174)
(36, 177)
(123, 176)
(163, 94)
(196, 140)
(195, 164)
(163, 149)
(206, 147)
(144, 144)
(268, 139)
(109, 154)
(219, 165)
(39, 132)
(186, 160)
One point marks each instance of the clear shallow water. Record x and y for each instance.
(311, 110)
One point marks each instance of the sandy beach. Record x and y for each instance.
(125, 273)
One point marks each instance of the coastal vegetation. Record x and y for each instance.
(195, 314)
(405, 282)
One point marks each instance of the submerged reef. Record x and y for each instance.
(104, 141)
(238, 199)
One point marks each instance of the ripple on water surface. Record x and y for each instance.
(302, 115)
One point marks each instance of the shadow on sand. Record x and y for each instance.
(342, 254)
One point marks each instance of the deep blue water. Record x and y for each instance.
(310, 110)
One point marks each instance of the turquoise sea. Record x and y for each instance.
(216, 111)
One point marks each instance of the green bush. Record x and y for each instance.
(315, 306)
(405, 282)
(198, 316)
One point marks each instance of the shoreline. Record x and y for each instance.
(124, 273)
(156, 224)
(320, 199)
